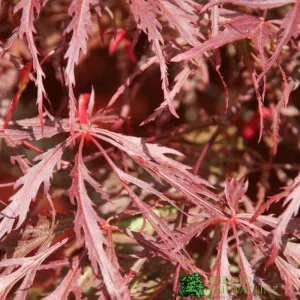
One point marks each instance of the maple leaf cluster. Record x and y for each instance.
(156, 144)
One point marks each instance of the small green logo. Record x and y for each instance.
(191, 286)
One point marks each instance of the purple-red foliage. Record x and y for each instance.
(122, 202)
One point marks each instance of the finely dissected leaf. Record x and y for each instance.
(160, 227)
(246, 271)
(69, 283)
(152, 158)
(238, 28)
(32, 238)
(253, 231)
(169, 247)
(145, 186)
(260, 39)
(30, 275)
(292, 195)
(186, 233)
(29, 9)
(291, 276)
(292, 227)
(145, 14)
(36, 176)
(293, 201)
(260, 4)
(191, 222)
(292, 252)
(241, 27)
(290, 28)
(220, 270)
(27, 264)
(145, 153)
(162, 250)
(259, 102)
(51, 127)
(234, 191)
(272, 200)
(88, 221)
(179, 81)
(183, 21)
(286, 92)
(15, 134)
(81, 27)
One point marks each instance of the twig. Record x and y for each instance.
(205, 151)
